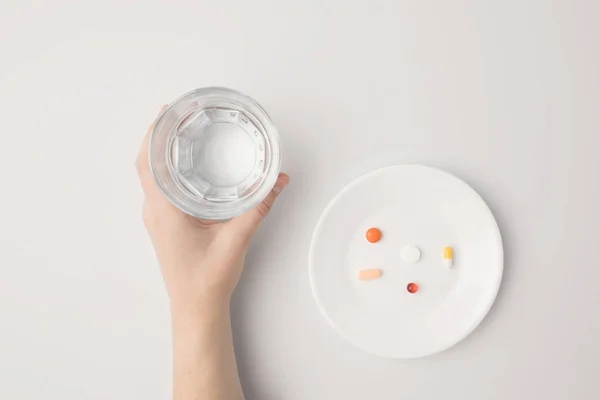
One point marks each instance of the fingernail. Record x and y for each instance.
(282, 182)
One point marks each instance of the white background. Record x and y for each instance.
(504, 94)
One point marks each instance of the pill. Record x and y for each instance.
(373, 235)
(412, 287)
(368, 274)
(448, 256)
(410, 254)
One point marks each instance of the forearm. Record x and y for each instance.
(204, 366)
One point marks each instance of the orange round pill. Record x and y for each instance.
(373, 235)
(412, 287)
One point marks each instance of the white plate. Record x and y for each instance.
(411, 205)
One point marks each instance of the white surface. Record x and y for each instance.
(504, 94)
(408, 203)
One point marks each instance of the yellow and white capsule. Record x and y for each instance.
(448, 256)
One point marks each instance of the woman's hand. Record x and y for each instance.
(201, 261)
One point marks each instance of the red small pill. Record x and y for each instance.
(412, 287)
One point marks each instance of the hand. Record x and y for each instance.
(201, 261)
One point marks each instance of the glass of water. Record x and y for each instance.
(215, 153)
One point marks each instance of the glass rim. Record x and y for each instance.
(164, 130)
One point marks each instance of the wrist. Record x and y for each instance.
(199, 308)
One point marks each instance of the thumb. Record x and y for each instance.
(251, 220)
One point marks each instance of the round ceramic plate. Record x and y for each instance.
(417, 206)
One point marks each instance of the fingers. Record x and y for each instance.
(249, 222)
(156, 205)
(143, 164)
(263, 208)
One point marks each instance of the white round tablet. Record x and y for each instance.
(410, 254)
